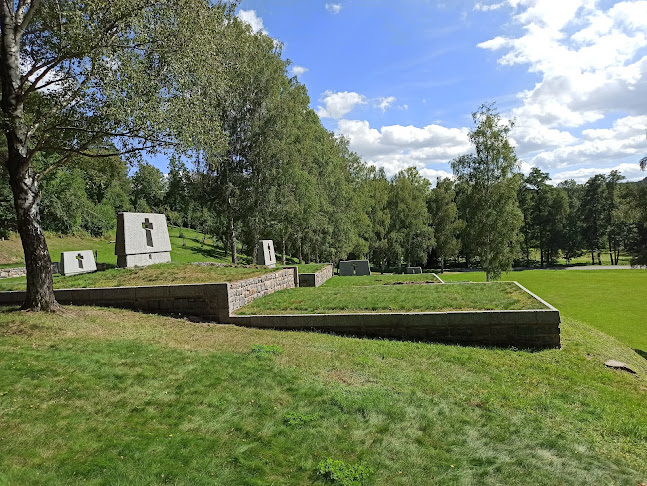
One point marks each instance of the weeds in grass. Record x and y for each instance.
(298, 419)
(338, 472)
(264, 350)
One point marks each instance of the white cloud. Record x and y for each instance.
(336, 105)
(631, 171)
(397, 147)
(589, 59)
(333, 8)
(486, 8)
(250, 17)
(385, 103)
(298, 70)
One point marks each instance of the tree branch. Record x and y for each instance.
(23, 18)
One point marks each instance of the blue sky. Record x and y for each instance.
(400, 79)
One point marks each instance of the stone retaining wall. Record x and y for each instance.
(21, 271)
(217, 301)
(522, 329)
(316, 279)
(214, 301)
(245, 291)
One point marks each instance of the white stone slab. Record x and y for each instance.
(75, 262)
(142, 239)
(265, 253)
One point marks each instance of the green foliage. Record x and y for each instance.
(339, 299)
(265, 350)
(444, 219)
(300, 419)
(339, 472)
(488, 193)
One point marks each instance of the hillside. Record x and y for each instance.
(116, 397)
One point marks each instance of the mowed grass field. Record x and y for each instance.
(338, 298)
(612, 301)
(99, 396)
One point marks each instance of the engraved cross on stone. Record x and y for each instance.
(148, 226)
(79, 259)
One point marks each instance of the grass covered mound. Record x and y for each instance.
(160, 274)
(99, 396)
(379, 279)
(394, 298)
(310, 267)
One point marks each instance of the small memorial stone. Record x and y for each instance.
(75, 262)
(265, 253)
(413, 270)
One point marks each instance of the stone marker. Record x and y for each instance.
(142, 239)
(265, 253)
(413, 270)
(619, 365)
(348, 268)
(75, 262)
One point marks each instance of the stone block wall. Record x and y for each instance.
(214, 301)
(21, 271)
(245, 291)
(316, 279)
(535, 329)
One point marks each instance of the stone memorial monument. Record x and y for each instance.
(265, 253)
(75, 262)
(142, 239)
(349, 268)
(412, 270)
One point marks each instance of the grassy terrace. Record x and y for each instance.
(160, 274)
(393, 298)
(104, 396)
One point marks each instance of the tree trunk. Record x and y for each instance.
(592, 257)
(232, 236)
(40, 289)
(22, 178)
(283, 249)
(442, 264)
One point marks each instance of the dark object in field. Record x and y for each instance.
(619, 365)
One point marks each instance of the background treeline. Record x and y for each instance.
(252, 160)
(338, 207)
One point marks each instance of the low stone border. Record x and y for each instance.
(316, 279)
(21, 271)
(535, 329)
(213, 301)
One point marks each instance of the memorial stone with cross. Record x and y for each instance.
(75, 262)
(265, 253)
(142, 239)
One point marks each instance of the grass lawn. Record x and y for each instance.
(612, 301)
(11, 252)
(310, 267)
(393, 298)
(378, 279)
(160, 274)
(102, 396)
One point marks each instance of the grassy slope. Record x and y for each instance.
(114, 397)
(393, 298)
(160, 274)
(610, 300)
(11, 253)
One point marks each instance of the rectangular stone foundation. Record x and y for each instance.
(143, 259)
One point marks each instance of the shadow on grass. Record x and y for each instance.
(641, 353)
